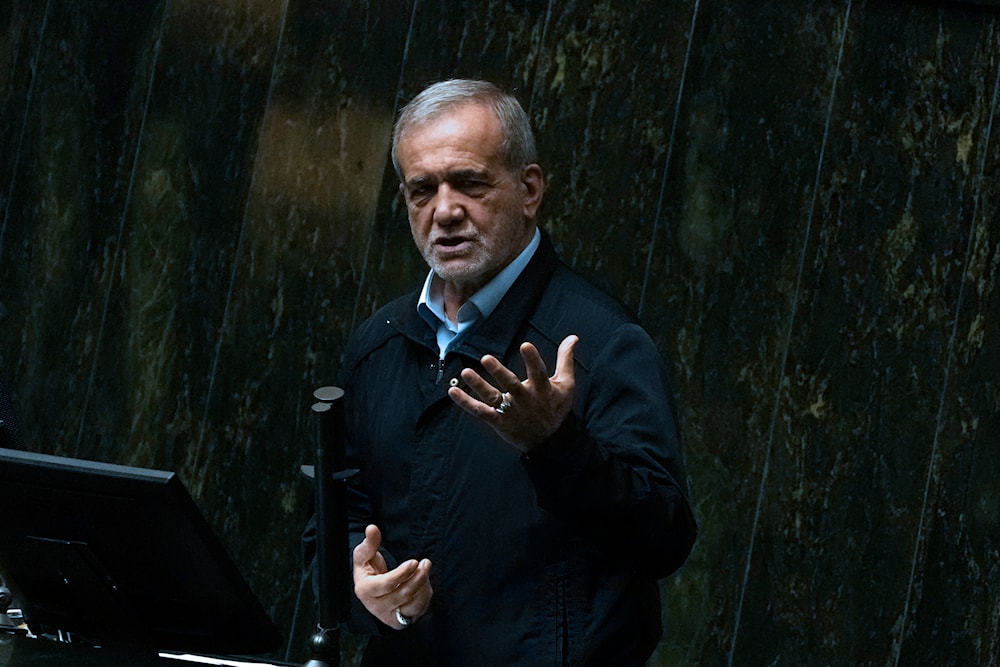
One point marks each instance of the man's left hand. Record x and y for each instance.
(527, 412)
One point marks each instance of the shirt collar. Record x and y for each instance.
(480, 305)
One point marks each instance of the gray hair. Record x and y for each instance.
(518, 147)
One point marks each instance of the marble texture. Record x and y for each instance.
(798, 198)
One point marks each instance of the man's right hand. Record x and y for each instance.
(406, 588)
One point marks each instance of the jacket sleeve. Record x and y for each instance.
(614, 467)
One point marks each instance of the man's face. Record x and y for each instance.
(468, 214)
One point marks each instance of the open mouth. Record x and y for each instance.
(452, 244)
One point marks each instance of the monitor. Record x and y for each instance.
(119, 555)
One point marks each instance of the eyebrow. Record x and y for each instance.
(466, 174)
(451, 176)
(419, 180)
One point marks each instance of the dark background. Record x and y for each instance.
(798, 198)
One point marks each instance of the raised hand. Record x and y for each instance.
(526, 412)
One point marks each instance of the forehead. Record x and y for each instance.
(468, 136)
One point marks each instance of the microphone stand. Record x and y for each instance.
(333, 569)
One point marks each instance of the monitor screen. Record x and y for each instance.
(121, 555)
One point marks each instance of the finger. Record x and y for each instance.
(486, 392)
(416, 604)
(538, 375)
(506, 379)
(411, 597)
(472, 406)
(564, 358)
(387, 586)
(401, 576)
(413, 589)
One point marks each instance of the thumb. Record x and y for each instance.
(564, 358)
(365, 552)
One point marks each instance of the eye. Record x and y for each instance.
(419, 194)
(472, 187)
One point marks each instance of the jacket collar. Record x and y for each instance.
(498, 332)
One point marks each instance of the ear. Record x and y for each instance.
(532, 187)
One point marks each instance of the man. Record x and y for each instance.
(504, 516)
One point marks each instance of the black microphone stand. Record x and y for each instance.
(333, 566)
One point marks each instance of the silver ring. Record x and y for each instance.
(504, 403)
(402, 620)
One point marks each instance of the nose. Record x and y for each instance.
(448, 208)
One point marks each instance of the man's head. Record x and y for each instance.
(518, 148)
(465, 155)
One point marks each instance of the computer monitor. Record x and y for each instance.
(119, 555)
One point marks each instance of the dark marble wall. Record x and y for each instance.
(799, 199)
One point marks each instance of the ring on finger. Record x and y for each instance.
(504, 403)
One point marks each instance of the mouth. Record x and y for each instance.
(452, 244)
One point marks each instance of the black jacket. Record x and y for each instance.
(546, 559)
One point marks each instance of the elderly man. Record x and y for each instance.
(504, 516)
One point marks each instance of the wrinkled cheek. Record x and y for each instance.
(419, 237)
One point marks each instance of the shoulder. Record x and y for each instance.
(384, 324)
(569, 287)
(571, 304)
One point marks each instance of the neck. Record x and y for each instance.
(456, 294)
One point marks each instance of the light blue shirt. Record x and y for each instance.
(430, 306)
